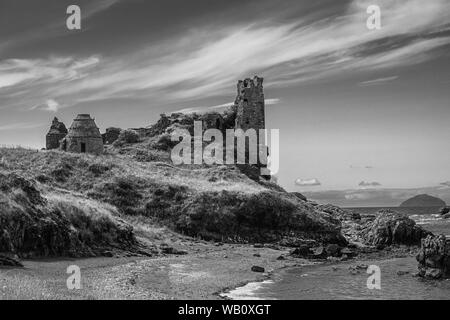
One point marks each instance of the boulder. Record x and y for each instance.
(258, 269)
(434, 257)
(9, 262)
(390, 228)
(303, 251)
(166, 249)
(444, 210)
(333, 250)
(299, 195)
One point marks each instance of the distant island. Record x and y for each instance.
(423, 200)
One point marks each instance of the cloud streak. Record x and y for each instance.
(378, 81)
(307, 182)
(268, 102)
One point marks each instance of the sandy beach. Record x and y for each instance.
(205, 272)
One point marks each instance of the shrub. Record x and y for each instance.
(126, 137)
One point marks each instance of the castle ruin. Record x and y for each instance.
(83, 137)
(248, 112)
(250, 104)
(56, 133)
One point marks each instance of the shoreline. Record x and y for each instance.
(209, 271)
(247, 290)
(206, 272)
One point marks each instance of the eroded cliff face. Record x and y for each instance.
(34, 225)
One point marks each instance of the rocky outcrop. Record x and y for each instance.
(434, 257)
(445, 210)
(423, 200)
(390, 227)
(56, 133)
(32, 225)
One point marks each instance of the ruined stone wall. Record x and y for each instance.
(56, 133)
(250, 104)
(53, 140)
(92, 145)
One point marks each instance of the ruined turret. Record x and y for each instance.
(56, 133)
(83, 137)
(250, 104)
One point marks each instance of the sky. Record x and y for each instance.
(357, 109)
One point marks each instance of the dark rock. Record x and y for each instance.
(108, 254)
(433, 274)
(303, 251)
(257, 255)
(319, 253)
(444, 210)
(434, 257)
(9, 262)
(402, 273)
(281, 258)
(391, 227)
(333, 250)
(258, 269)
(299, 195)
(297, 242)
(171, 250)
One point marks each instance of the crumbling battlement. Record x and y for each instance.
(56, 133)
(250, 113)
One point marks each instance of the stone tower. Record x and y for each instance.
(56, 133)
(83, 137)
(250, 104)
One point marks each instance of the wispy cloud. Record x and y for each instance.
(20, 126)
(378, 81)
(268, 102)
(307, 182)
(205, 64)
(368, 167)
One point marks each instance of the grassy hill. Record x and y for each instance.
(55, 203)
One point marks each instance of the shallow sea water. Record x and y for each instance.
(336, 282)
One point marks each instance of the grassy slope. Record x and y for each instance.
(214, 203)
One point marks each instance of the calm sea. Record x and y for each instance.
(336, 282)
